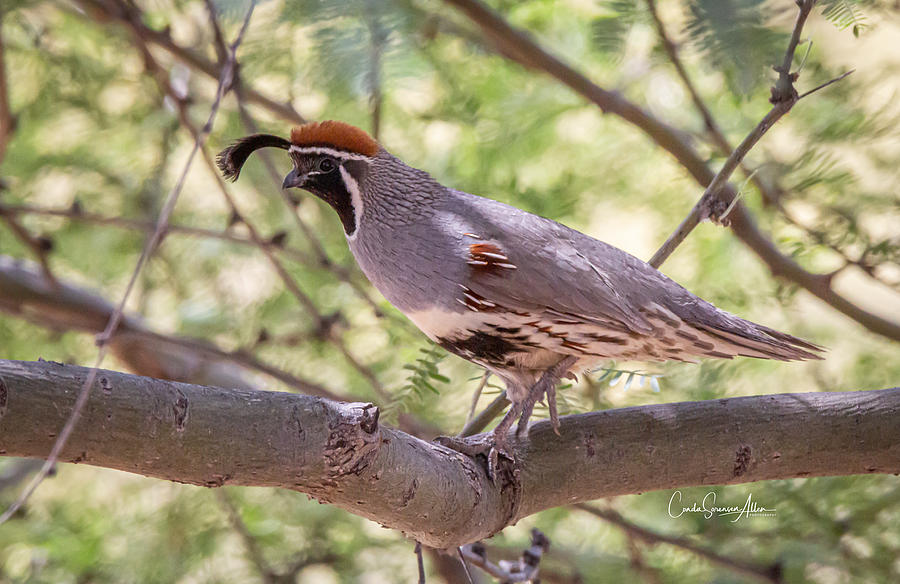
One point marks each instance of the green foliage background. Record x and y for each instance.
(93, 127)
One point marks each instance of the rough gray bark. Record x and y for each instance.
(340, 454)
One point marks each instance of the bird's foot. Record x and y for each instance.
(493, 449)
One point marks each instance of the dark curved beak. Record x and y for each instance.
(293, 179)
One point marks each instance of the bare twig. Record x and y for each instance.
(826, 84)
(465, 565)
(767, 573)
(784, 96)
(7, 119)
(711, 204)
(39, 246)
(638, 563)
(151, 244)
(525, 569)
(377, 38)
(476, 395)
(521, 48)
(671, 50)
(481, 421)
(78, 214)
(250, 544)
(118, 10)
(420, 562)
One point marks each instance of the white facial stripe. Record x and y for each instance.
(329, 151)
(355, 200)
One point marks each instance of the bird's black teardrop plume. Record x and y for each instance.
(232, 159)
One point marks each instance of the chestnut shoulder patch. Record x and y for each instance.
(488, 258)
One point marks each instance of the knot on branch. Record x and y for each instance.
(715, 208)
(353, 440)
(784, 91)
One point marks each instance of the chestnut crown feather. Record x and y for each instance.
(334, 134)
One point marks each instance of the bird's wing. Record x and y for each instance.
(526, 263)
(529, 263)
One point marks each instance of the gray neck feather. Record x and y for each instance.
(394, 193)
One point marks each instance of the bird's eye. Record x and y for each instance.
(326, 165)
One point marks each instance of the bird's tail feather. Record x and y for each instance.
(753, 340)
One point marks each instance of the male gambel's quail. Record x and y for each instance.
(523, 296)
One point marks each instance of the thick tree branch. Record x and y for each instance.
(518, 46)
(339, 453)
(65, 307)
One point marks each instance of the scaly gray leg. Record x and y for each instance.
(546, 384)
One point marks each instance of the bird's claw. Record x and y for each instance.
(493, 448)
(471, 447)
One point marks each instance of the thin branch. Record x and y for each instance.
(7, 119)
(250, 544)
(518, 46)
(420, 562)
(120, 11)
(485, 417)
(377, 38)
(39, 246)
(476, 395)
(638, 563)
(79, 215)
(525, 569)
(671, 50)
(767, 573)
(152, 243)
(340, 454)
(465, 565)
(826, 84)
(711, 204)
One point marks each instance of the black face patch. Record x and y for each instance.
(323, 178)
(331, 188)
(481, 347)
